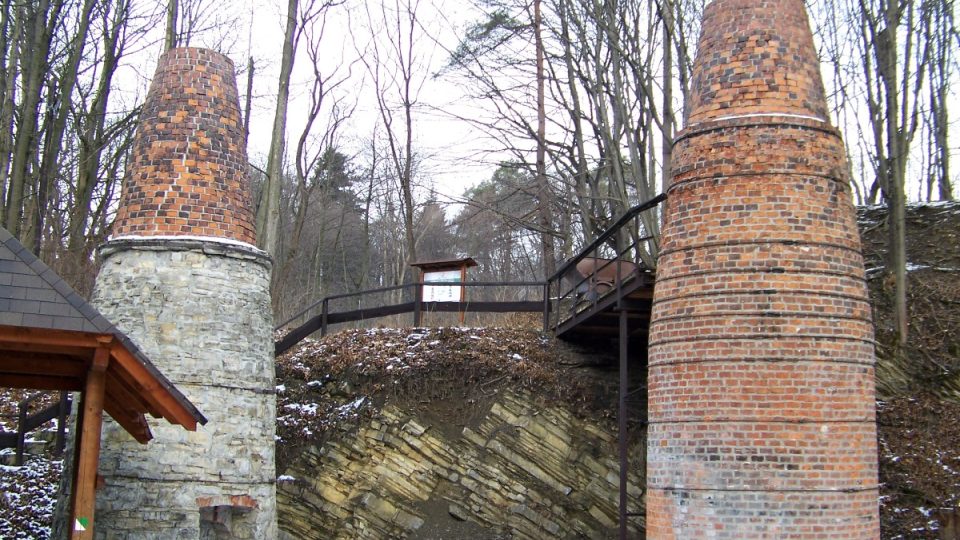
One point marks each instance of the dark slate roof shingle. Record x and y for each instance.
(33, 295)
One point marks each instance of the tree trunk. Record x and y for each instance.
(584, 201)
(666, 129)
(34, 70)
(544, 194)
(93, 135)
(939, 91)
(9, 59)
(894, 168)
(406, 177)
(50, 165)
(170, 33)
(268, 212)
(249, 100)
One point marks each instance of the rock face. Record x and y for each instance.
(181, 278)
(523, 471)
(761, 361)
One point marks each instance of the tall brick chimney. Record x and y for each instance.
(182, 277)
(761, 379)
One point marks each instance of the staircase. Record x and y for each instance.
(22, 443)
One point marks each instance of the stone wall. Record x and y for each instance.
(523, 471)
(201, 312)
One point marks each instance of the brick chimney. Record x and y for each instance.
(761, 378)
(181, 276)
(188, 173)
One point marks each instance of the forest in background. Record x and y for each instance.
(577, 103)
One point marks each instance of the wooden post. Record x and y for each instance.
(88, 446)
(21, 430)
(463, 293)
(418, 303)
(62, 414)
(323, 317)
(546, 306)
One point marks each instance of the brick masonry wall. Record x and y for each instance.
(188, 174)
(754, 57)
(761, 381)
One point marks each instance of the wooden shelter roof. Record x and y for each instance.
(49, 336)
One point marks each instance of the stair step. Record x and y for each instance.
(38, 443)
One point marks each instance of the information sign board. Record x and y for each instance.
(448, 292)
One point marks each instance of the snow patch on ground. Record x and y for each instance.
(27, 497)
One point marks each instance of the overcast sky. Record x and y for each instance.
(453, 155)
(448, 146)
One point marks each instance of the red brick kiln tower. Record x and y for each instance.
(761, 379)
(182, 277)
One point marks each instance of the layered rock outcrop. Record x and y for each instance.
(525, 471)
(450, 433)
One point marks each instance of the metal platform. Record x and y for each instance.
(601, 318)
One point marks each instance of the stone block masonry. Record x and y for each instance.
(201, 311)
(182, 278)
(761, 378)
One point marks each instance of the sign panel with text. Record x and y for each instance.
(450, 289)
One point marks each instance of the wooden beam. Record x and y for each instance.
(132, 422)
(41, 382)
(41, 364)
(123, 394)
(49, 336)
(71, 350)
(88, 447)
(139, 378)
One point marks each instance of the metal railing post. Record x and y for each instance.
(546, 306)
(622, 423)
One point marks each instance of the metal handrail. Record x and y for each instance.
(608, 233)
(563, 295)
(312, 306)
(366, 292)
(321, 321)
(327, 317)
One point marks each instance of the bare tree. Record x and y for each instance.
(39, 21)
(609, 106)
(268, 211)
(98, 132)
(398, 76)
(50, 163)
(544, 195)
(205, 21)
(940, 27)
(316, 160)
(892, 87)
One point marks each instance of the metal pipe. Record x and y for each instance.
(622, 424)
